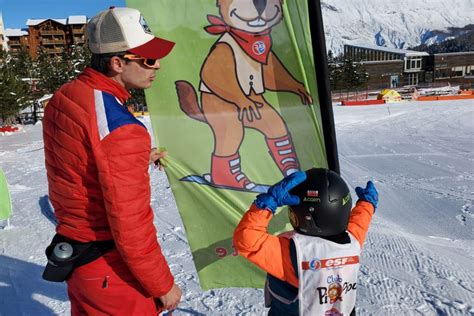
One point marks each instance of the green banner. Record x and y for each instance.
(230, 107)
(5, 200)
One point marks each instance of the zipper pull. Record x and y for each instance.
(105, 283)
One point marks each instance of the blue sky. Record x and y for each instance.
(16, 12)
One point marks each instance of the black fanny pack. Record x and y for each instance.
(64, 255)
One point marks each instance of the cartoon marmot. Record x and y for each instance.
(334, 292)
(238, 70)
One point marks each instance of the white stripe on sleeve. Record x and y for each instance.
(100, 113)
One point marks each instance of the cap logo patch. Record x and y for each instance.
(145, 26)
(314, 193)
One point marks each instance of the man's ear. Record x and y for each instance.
(116, 64)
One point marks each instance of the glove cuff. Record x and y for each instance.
(266, 201)
(367, 200)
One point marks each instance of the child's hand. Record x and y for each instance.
(278, 194)
(156, 156)
(369, 194)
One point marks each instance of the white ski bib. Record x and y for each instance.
(327, 275)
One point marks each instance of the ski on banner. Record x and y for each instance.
(205, 180)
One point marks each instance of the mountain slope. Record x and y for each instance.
(399, 23)
(463, 41)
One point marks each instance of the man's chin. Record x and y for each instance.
(142, 86)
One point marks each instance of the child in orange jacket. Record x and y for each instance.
(313, 269)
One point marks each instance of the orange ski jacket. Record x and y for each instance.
(97, 156)
(272, 253)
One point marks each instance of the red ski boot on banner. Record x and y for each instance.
(225, 172)
(283, 152)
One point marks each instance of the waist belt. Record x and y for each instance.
(64, 255)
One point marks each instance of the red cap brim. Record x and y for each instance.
(157, 48)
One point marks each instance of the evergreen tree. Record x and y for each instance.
(52, 71)
(335, 71)
(22, 66)
(345, 73)
(22, 63)
(350, 74)
(80, 58)
(330, 56)
(336, 76)
(13, 90)
(137, 100)
(354, 74)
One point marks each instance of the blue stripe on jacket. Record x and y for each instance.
(117, 114)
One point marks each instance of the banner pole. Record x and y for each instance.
(322, 76)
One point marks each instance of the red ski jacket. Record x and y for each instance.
(97, 157)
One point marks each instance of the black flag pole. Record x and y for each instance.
(322, 79)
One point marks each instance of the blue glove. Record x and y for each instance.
(278, 194)
(369, 194)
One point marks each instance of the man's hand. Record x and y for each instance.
(171, 299)
(156, 156)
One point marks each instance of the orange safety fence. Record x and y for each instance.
(445, 97)
(363, 102)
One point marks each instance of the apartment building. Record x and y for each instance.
(3, 40)
(54, 36)
(17, 39)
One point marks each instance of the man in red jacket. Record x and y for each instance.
(97, 157)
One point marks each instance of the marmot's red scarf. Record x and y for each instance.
(256, 45)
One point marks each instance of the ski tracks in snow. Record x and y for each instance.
(402, 275)
(466, 214)
(408, 265)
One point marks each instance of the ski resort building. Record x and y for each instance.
(3, 40)
(393, 67)
(54, 36)
(389, 67)
(17, 39)
(456, 68)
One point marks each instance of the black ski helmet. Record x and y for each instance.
(325, 204)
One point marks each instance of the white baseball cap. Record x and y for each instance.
(124, 29)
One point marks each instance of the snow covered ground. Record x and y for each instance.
(418, 257)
